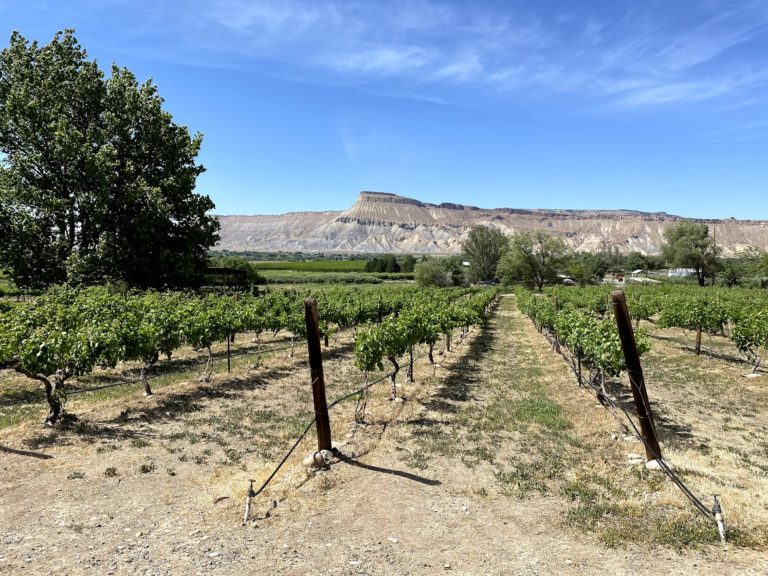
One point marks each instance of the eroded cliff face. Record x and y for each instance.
(381, 222)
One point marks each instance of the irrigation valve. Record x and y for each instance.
(718, 512)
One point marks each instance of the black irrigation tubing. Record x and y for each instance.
(698, 504)
(285, 458)
(309, 426)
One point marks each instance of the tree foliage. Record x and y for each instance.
(439, 272)
(533, 258)
(586, 268)
(688, 245)
(386, 263)
(96, 179)
(483, 249)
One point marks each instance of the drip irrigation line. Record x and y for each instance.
(314, 419)
(285, 458)
(610, 402)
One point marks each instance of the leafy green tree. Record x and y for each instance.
(390, 264)
(408, 263)
(96, 176)
(636, 261)
(586, 268)
(732, 275)
(688, 245)
(483, 249)
(533, 258)
(374, 265)
(433, 272)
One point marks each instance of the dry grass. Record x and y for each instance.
(711, 423)
(538, 433)
(502, 410)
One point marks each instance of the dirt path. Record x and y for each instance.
(459, 479)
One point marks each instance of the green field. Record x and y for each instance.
(313, 266)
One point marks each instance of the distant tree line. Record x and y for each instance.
(389, 263)
(537, 259)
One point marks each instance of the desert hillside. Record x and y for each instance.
(382, 222)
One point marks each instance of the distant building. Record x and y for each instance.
(680, 272)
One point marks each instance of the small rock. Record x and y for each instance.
(355, 562)
(447, 566)
(654, 465)
(392, 539)
(213, 554)
(139, 534)
(633, 456)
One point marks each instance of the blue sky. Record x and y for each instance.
(652, 105)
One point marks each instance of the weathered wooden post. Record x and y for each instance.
(322, 422)
(635, 371)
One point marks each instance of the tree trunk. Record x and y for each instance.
(431, 349)
(393, 376)
(148, 363)
(447, 341)
(410, 365)
(325, 339)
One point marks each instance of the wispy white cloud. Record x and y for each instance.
(383, 60)
(644, 57)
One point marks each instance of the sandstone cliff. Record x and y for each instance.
(381, 222)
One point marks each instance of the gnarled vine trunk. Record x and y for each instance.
(148, 363)
(208, 366)
(53, 391)
(393, 376)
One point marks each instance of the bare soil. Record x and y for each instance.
(490, 466)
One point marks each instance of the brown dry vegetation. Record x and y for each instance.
(497, 463)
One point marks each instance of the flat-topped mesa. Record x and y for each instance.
(384, 222)
(385, 209)
(388, 197)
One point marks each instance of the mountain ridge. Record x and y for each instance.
(380, 222)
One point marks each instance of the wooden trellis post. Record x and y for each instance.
(322, 423)
(635, 371)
